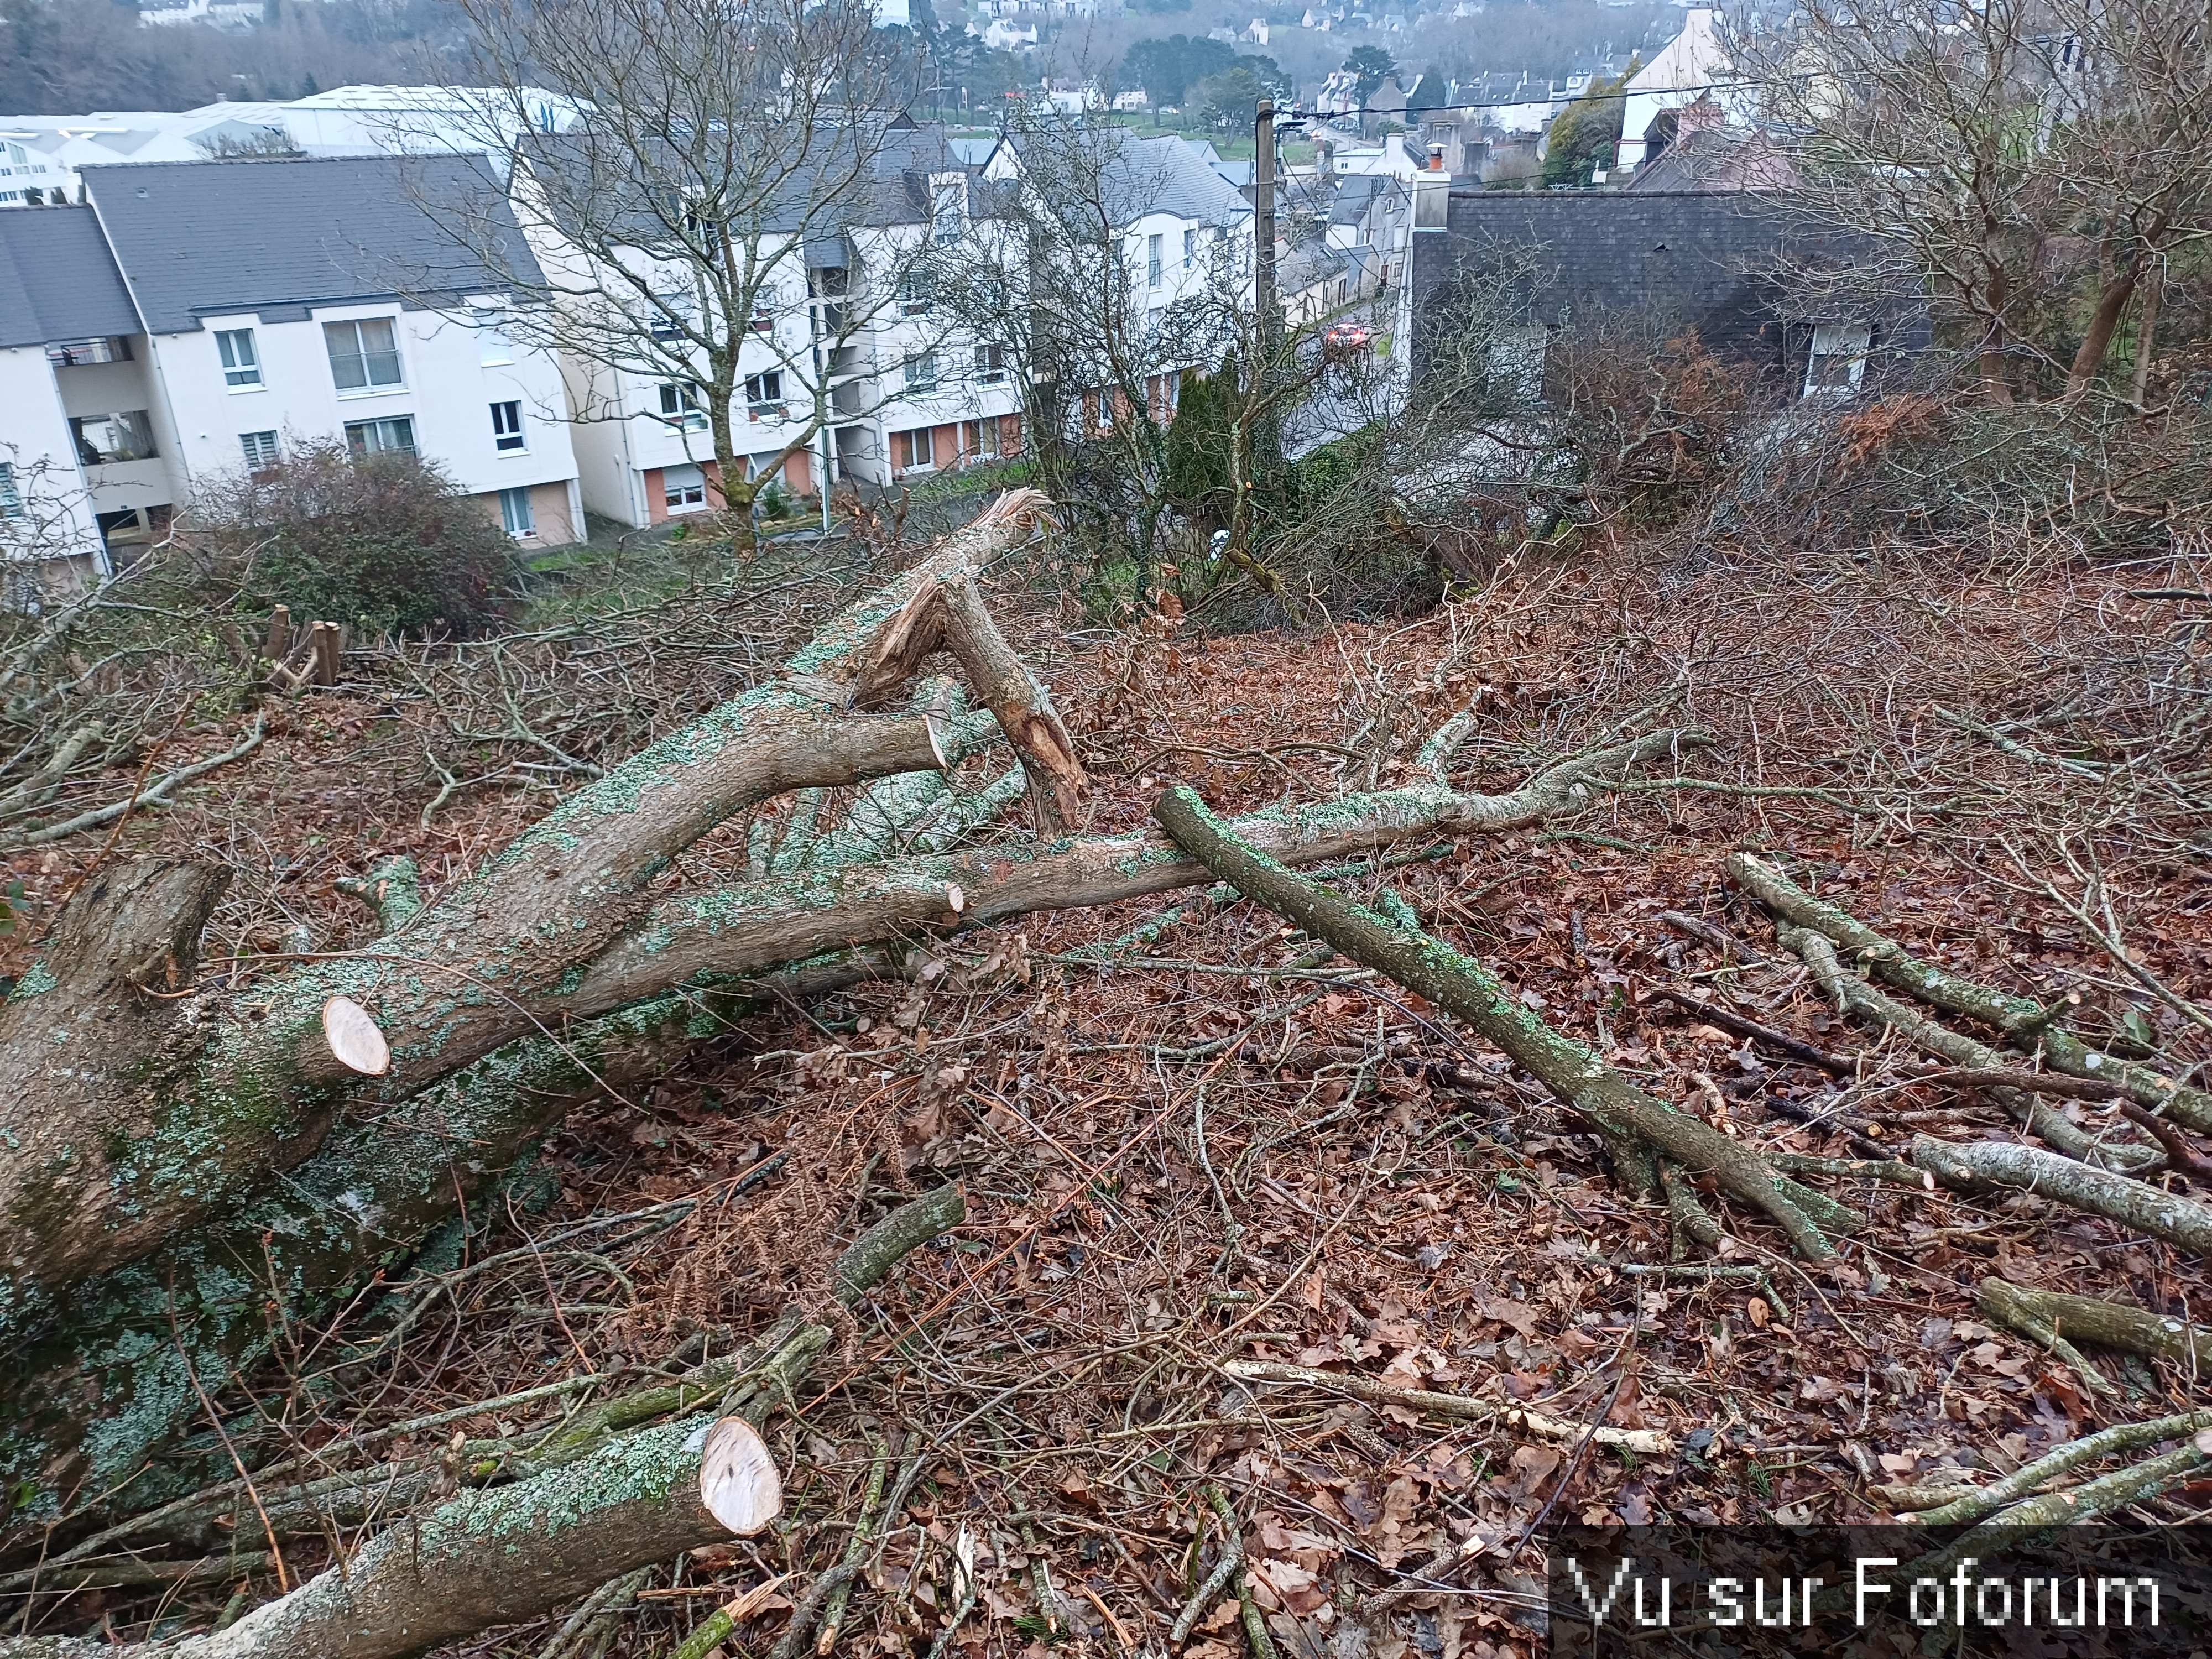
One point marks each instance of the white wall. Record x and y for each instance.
(34, 439)
(447, 393)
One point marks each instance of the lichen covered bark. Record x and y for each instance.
(1464, 987)
(498, 1555)
(101, 1161)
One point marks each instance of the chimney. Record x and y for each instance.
(1436, 158)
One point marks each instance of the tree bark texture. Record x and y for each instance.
(2025, 1024)
(281, 1212)
(1465, 988)
(503, 1553)
(105, 1159)
(102, 1384)
(2136, 1204)
(1855, 996)
(2082, 1319)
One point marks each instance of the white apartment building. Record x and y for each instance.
(1179, 226)
(40, 154)
(205, 318)
(333, 307)
(79, 460)
(907, 395)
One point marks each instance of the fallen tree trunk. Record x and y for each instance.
(1855, 996)
(1578, 1079)
(111, 1148)
(2027, 1025)
(2177, 1220)
(509, 1552)
(381, 1183)
(2081, 1319)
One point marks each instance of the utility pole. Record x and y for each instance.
(1269, 313)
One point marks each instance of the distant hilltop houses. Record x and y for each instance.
(42, 153)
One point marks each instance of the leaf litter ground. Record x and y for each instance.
(1223, 1146)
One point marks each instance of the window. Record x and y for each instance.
(127, 435)
(392, 436)
(260, 449)
(364, 356)
(241, 368)
(911, 450)
(515, 515)
(948, 207)
(11, 497)
(764, 395)
(668, 316)
(109, 349)
(493, 345)
(921, 373)
(680, 407)
(915, 293)
(765, 301)
(1189, 249)
(990, 364)
(1840, 357)
(1152, 260)
(980, 437)
(506, 428)
(683, 487)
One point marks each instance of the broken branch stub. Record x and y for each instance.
(500, 1554)
(355, 1041)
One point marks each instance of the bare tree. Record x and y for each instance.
(736, 205)
(2035, 162)
(1117, 271)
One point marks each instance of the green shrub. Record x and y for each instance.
(382, 542)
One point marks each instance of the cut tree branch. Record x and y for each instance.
(1578, 1079)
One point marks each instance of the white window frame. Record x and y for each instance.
(508, 436)
(494, 346)
(920, 448)
(680, 409)
(260, 456)
(1189, 250)
(1154, 259)
(948, 207)
(516, 514)
(921, 372)
(362, 354)
(11, 493)
(242, 362)
(1849, 342)
(678, 499)
(990, 364)
(379, 425)
(764, 399)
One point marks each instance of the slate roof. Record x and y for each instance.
(1138, 175)
(1432, 91)
(1355, 194)
(197, 239)
(585, 165)
(1690, 260)
(58, 280)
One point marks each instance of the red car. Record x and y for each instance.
(1344, 338)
